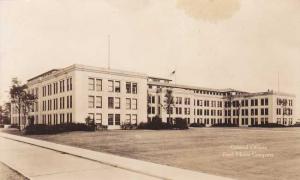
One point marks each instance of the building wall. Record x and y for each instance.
(82, 94)
(198, 105)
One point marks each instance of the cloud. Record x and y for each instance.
(209, 10)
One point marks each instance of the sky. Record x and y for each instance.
(240, 44)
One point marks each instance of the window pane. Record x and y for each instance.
(134, 104)
(98, 102)
(117, 103)
(117, 86)
(110, 119)
(111, 86)
(110, 102)
(98, 118)
(128, 103)
(134, 88)
(98, 85)
(117, 119)
(91, 84)
(91, 101)
(128, 118)
(134, 119)
(128, 87)
(91, 115)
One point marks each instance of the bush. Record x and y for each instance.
(155, 124)
(197, 125)
(59, 128)
(269, 125)
(180, 123)
(128, 126)
(1, 125)
(15, 126)
(225, 125)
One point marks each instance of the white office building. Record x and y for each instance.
(114, 97)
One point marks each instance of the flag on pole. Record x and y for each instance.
(173, 72)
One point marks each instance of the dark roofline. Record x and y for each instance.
(48, 72)
(152, 77)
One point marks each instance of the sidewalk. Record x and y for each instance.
(43, 160)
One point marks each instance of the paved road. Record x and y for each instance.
(44, 164)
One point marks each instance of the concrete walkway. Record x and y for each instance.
(43, 160)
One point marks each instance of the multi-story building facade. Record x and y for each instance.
(74, 93)
(113, 97)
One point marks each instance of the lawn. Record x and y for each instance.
(241, 153)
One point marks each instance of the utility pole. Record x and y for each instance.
(108, 55)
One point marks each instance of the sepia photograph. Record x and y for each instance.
(147, 89)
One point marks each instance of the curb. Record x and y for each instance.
(133, 165)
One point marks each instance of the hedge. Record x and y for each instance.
(59, 128)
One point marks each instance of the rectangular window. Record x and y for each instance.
(117, 86)
(110, 119)
(128, 119)
(117, 103)
(98, 119)
(134, 104)
(128, 103)
(98, 102)
(71, 87)
(91, 84)
(98, 84)
(134, 88)
(110, 86)
(68, 102)
(266, 111)
(110, 102)
(67, 90)
(71, 102)
(262, 102)
(91, 101)
(134, 119)
(92, 116)
(117, 119)
(128, 87)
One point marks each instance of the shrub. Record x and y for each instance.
(101, 127)
(225, 125)
(14, 126)
(197, 125)
(1, 125)
(296, 125)
(180, 123)
(58, 128)
(269, 125)
(128, 126)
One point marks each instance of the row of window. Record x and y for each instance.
(245, 103)
(113, 86)
(285, 111)
(114, 119)
(285, 121)
(113, 102)
(52, 119)
(52, 104)
(55, 88)
(284, 102)
(245, 112)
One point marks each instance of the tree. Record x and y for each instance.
(169, 103)
(21, 99)
(5, 113)
(283, 103)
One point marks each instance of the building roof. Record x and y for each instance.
(44, 74)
